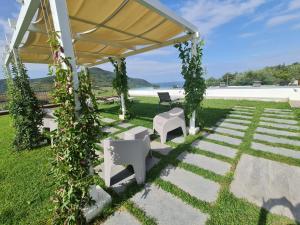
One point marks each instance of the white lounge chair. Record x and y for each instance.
(168, 121)
(126, 152)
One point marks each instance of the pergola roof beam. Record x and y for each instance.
(149, 48)
(28, 10)
(162, 10)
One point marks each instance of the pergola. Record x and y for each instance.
(91, 31)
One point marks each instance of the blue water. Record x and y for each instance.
(164, 85)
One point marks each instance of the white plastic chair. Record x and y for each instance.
(168, 121)
(126, 152)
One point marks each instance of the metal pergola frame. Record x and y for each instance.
(61, 24)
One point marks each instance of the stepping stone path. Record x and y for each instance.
(122, 218)
(278, 115)
(110, 130)
(107, 120)
(225, 139)
(125, 125)
(228, 131)
(160, 148)
(277, 110)
(197, 186)
(291, 122)
(276, 150)
(278, 125)
(268, 184)
(215, 148)
(204, 162)
(229, 120)
(245, 107)
(178, 140)
(240, 116)
(277, 132)
(278, 140)
(242, 112)
(167, 209)
(232, 126)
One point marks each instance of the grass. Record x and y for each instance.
(27, 186)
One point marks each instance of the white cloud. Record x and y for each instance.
(282, 19)
(247, 35)
(294, 4)
(210, 14)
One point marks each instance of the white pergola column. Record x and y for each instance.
(193, 129)
(62, 26)
(123, 106)
(17, 60)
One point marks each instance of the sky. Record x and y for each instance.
(239, 35)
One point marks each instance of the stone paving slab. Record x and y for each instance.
(204, 162)
(125, 125)
(110, 130)
(279, 113)
(197, 186)
(228, 131)
(246, 107)
(241, 112)
(278, 125)
(278, 110)
(272, 139)
(240, 116)
(285, 121)
(166, 208)
(215, 148)
(160, 148)
(225, 139)
(277, 132)
(231, 120)
(107, 120)
(178, 140)
(122, 217)
(284, 116)
(268, 184)
(276, 150)
(232, 125)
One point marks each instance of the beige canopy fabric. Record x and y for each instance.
(102, 29)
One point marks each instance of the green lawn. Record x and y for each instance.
(26, 183)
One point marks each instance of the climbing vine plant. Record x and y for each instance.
(24, 109)
(120, 83)
(193, 73)
(74, 140)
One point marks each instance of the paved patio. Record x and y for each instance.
(266, 183)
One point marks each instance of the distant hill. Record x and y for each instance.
(271, 75)
(99, 77)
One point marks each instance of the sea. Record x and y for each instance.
(163, 86)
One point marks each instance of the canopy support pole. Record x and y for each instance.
(123, 106)
(193, 129)
(62, 26)
(17, 60)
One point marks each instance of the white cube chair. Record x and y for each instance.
(126, 152)
(168, 121)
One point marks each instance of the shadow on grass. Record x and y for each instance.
(270, 203)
